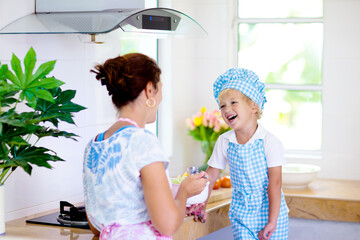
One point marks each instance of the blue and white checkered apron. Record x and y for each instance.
(249, 210)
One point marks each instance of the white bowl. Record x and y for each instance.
(296, 175)
(200, 198)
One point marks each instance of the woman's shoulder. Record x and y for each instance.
(142, 132)
(131, 132)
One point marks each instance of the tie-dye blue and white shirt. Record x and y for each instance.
(111, 176)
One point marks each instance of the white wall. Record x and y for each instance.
(341, 74)
(43, 190)
(191, 66)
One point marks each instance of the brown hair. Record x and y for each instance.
(126, 76)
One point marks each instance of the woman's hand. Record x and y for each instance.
(194, 184)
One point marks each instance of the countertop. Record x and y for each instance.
(218, 205)
(324, 199)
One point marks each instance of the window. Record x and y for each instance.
(282, 41)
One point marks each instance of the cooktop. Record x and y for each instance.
(69, 216)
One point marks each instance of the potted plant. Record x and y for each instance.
(42, 103)
(206, 127)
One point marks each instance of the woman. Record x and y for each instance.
(126, 182)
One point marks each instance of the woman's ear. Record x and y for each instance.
(149, 90)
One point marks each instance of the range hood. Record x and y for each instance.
(103, 16)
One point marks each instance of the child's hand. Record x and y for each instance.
(267, 231)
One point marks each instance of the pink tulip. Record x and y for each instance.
(205, 119)
(217, 127)
(190, 124)
(211, 123)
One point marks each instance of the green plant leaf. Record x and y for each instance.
(3, 71)
(67, 118)
(15, 135)
(13, 79)
(10, 121)
(29, 63)
(7, 102)
(35, 155)
(45, 132)
(43, 94)
(62, 109)
(6, 95)
(65, 96)
(16, 66)
(17, 141)
(13, 164)
(3, 151)
(46, 83)
(3, 172)
(44, 70)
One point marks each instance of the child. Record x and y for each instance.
(255, 156)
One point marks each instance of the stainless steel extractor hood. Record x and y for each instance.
(102, 16)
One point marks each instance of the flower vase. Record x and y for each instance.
(2, 210)
(207, 148)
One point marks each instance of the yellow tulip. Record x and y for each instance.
(203, 109)
(198, 121)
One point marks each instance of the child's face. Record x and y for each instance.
(236, 112)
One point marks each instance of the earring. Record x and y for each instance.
(150, 102)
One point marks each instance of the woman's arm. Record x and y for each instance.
(93, 229)
(274, 192)
(166, 214)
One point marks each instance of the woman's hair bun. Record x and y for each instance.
(113, 75)
(126, 76)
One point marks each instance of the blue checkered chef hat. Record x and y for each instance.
(243, 80)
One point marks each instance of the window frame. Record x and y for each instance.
(307, 154)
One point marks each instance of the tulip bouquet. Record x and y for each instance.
(206, 127)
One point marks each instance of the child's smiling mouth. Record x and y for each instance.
(230, 118)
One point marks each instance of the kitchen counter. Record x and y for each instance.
(325, 199)
(219, 203)
(20, 230)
